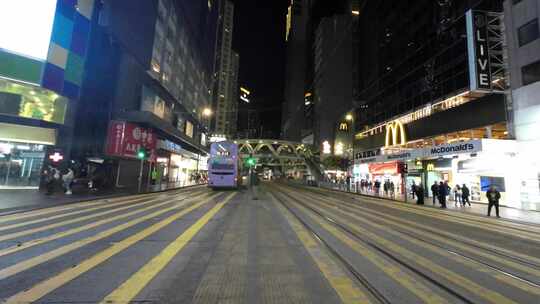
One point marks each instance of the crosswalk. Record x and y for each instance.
(95, 233)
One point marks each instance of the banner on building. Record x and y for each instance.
(125, 139)
(485, 45)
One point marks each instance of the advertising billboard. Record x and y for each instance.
(27, 26)
(124, 140)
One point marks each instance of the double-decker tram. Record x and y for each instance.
(224, 166)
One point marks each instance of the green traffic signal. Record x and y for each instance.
(141, 153)
(251, 161)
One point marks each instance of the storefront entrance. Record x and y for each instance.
(20, 165)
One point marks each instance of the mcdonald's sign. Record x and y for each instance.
(343, 126)
(395, 134)
(430, 167)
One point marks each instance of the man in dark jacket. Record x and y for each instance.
(442, 194)
(419, 194)
(434, 191)
(493, 196)
(465, 193)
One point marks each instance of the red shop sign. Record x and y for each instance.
(384, 168)
(124, 140)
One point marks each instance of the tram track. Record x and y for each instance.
(362, 279)
(527, 283)
(363, 210)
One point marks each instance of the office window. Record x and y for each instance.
(528, 32)
(189, 129)
(531, 73)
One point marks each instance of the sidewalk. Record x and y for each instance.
(16, 200)
(529, 216)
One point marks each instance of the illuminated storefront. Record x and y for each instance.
(475, 163)
(41, 72)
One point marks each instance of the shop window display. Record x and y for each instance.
(20, 164)
(31, 102)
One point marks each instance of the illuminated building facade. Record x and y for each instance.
(148, 83)
(41, 73)
(423, 102)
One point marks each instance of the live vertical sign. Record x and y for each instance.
(478, 49)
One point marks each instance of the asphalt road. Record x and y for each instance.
(291, 245)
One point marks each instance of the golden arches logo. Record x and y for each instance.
(395, 134)
(343, 126)
(430, 167)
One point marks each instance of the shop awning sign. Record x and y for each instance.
(471, 146)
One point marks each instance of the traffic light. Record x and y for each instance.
(250, 161)
(142, 153)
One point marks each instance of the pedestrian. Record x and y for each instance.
(442, 192)
(377, 187)
(48, 177)
(419, 194)
(67, 180)
(448, 191)
(465, 193)
(348, 180)
(434, 191)
(493, 196)
(457, 195)
(386, 185)
(392, 189)
(413, 189)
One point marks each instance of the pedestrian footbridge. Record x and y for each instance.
(285, 156)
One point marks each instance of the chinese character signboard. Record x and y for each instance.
(124, 140)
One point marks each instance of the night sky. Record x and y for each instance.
(259, 38)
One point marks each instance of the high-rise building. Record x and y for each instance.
(332, 84)
(147, 84)
(523, 39)
(318, 86)
(232, 121)
(223, 97)
(433, 95)
(298, 54)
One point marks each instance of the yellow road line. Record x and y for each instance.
(26, 245)
(456, 279)
(131, 287)
(32, 262)
(408, 225)
(67, 222)
(423, 227)
(45, 219)
(390, 268)
(44, 211)
(346, 289)
(473, 265)
(469, 218)
(109, 201)
(44, 287)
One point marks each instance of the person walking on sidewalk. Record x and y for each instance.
(457, 195)
(443, 192)
(493, 196)
(434, 191)
(465, 193)
(419, 194)
(68, 179)
(413, 189)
